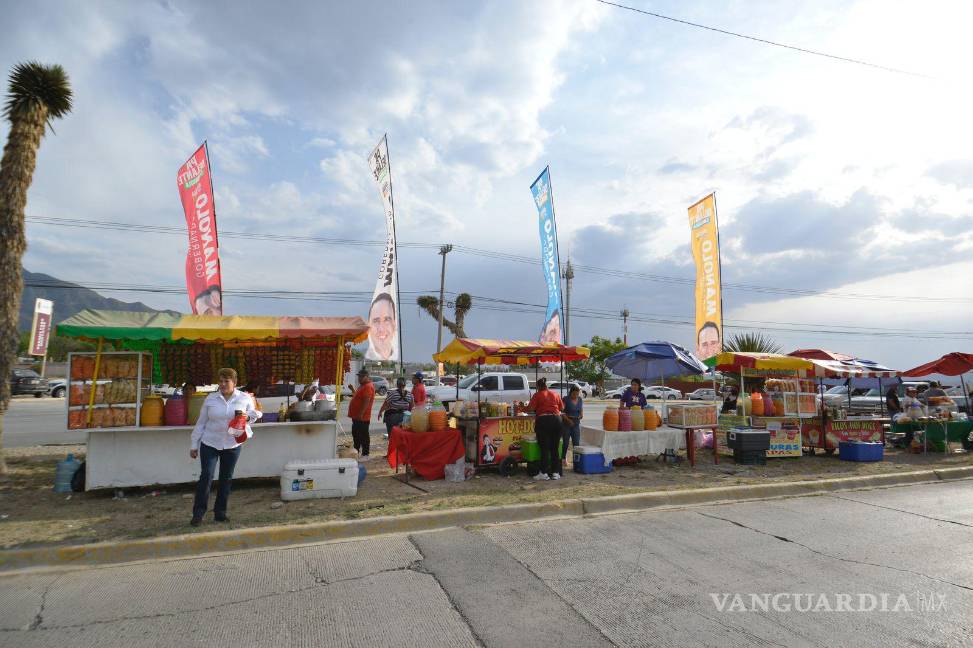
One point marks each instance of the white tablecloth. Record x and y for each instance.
(633, 444)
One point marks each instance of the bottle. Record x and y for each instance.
(238, 427)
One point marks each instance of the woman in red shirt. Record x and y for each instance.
(547, 407)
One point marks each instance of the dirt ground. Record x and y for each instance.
(32, 514)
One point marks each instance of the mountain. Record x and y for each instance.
(69, 299)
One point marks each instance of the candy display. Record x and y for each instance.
(692, 415)
(115, 382)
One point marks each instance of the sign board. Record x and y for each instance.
(40, 331)
(500, 437)
(785, 439)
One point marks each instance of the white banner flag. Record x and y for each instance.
(383, 315)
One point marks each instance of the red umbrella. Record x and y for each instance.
(951, 364)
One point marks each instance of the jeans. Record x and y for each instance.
(207, 461)
(570, 433)
(393, 418)
(360, 436)
(548, 431)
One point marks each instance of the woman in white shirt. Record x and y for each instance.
(212, 442)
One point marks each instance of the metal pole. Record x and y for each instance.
(44, 364)
(966, 396)
(568, 276)
(395, 253)
(443, 250)
(625, 327)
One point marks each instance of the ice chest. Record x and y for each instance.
(588, 460)
(317, 479)
(746, 439)
(860, 451)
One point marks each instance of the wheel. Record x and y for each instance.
(508, 466)
(672, 397)
(38, 394)
(382, 391)
(58, 393)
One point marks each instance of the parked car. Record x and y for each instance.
(662, 393)
(495, 387)
(381, 385)
(57, 387)
(866, 399)
(563, 388)
(616, 393)
(703, 393)
(587, 389)
(962, 400)
(27, 381)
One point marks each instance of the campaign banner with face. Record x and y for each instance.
(204, 282)
(544, 199)
(705, 241)
(383, 314)
(40, 332)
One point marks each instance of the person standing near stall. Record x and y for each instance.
(574, 411)
(547, 407)
(211, 442)
(633, 395)
(360, 413)
(396, 404)
(418, 390)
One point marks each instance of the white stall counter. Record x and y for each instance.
(144, 456)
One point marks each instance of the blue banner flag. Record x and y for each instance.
(544, 199)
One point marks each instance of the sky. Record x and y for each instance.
(844, 192)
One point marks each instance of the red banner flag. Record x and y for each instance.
(203, 281)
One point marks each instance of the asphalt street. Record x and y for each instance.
(888, 567)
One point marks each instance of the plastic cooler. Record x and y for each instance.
(860, 451)
(589, 460)
(319, 479)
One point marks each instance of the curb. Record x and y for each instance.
(104, 553)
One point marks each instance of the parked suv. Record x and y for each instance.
(27, 381)
(496, 387)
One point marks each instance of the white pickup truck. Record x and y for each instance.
(497, 387)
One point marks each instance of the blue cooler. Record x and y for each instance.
(860, 451)
(588, 460)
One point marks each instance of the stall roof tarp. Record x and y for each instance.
(804, 367)
(819, 354)
(510, 352)
(951, 364)
(130, 325)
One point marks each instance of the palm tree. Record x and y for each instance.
(751, 342)
(464, 303)
(38, 95)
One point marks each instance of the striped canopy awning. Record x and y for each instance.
(507, 352)
(128, 326)
(803, 367)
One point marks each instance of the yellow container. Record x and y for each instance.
(638, 419)
(420, 420)
(195, 404)
(152, 414)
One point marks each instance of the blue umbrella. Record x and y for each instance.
(655, 360)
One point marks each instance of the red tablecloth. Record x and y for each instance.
(427, 452)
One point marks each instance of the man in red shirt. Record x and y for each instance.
(360, 412)
(547, 407)
(418, 390)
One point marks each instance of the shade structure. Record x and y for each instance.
(951, 364)
(508, 352)
(819, 354)
(804, 367)
(735, 362)
(134, 326)
(655, 360)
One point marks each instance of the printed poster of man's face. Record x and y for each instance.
(551, 334)
(708, 341)
(209, 302)
(382, 329)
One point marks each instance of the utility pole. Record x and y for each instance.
(625, 329)
(443, 251)
(568, 276)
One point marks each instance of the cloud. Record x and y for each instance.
(958, 173)
(675, 166)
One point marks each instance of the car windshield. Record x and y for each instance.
(839, 389)
(26, 373)
(467, 382)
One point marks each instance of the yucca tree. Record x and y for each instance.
(464, 303)
(752, 343)
(38, 94)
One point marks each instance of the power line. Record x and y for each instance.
(505, 256)
(795, 48)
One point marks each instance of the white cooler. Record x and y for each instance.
(320, 478)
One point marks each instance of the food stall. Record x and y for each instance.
(948, 426)
(797, 420)
(494, 434)
(131, 442)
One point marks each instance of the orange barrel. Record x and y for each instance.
(437, 420)
(152, 411)
(778, 406)
(609, 420)
(638, 419)
(175, 412)
(624, 420)
(757, 404)
(192, 408)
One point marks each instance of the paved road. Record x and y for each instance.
(40, 421)
(645, 579)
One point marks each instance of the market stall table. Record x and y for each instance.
(615, 445)
(933, 431)
(427, 453)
